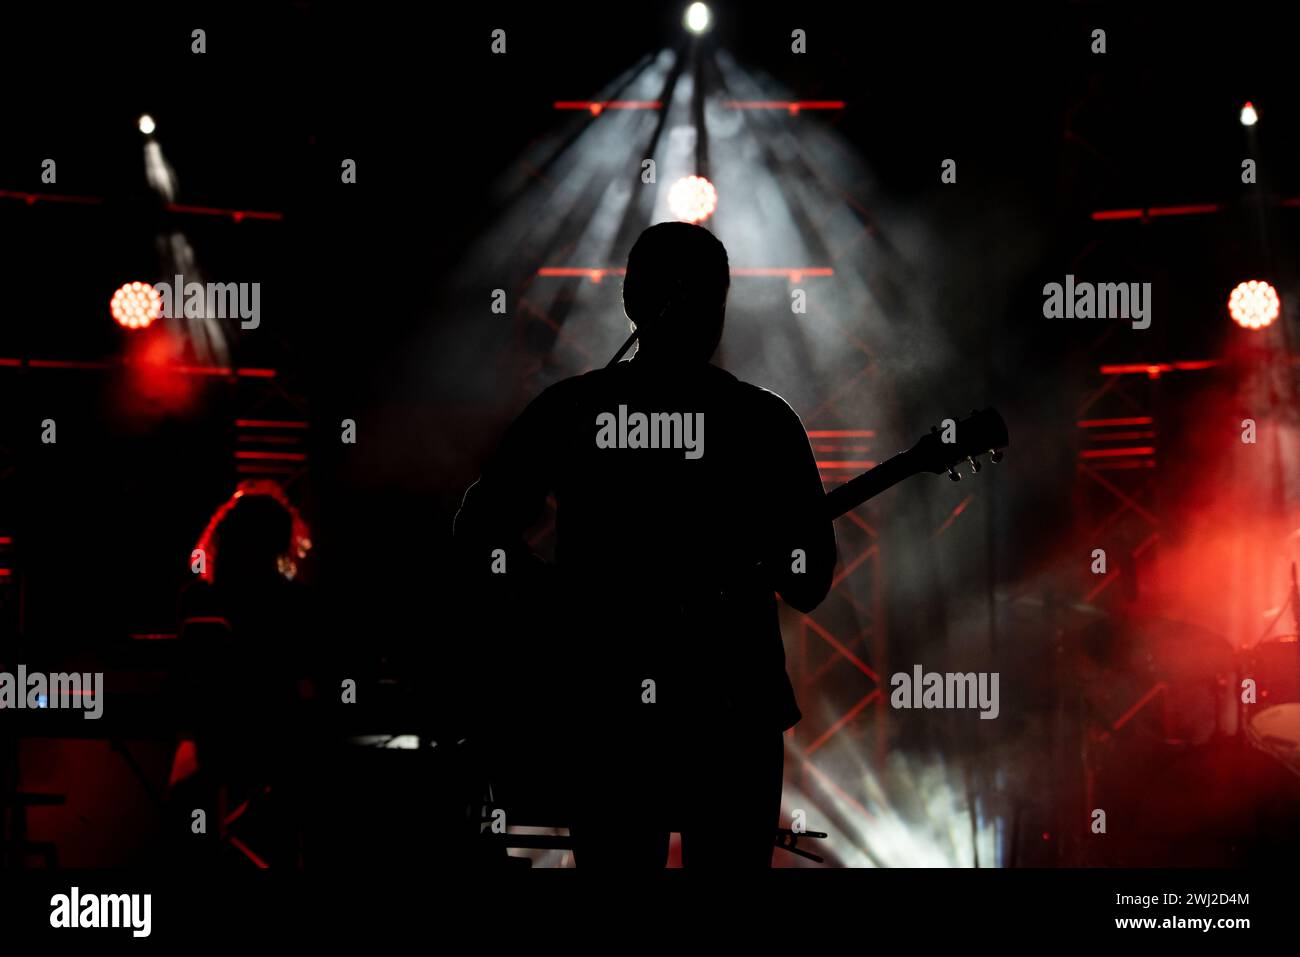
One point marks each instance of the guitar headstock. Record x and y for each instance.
(961, 440)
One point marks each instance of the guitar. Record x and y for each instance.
(982, 432)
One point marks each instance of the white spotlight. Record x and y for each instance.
(146, 124)
(697, 18)
(1248, 115)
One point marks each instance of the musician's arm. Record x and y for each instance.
(800, 555)
(508, 497)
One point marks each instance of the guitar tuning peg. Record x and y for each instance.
(954, 474)
(996, 456)
(974, 465)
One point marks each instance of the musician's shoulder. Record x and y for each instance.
(766, 400)
(584, 385)
(563, 391)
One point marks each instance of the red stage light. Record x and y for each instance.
(692, 199)
(1254, 304)
(136, 305)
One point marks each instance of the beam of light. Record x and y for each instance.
(913, 812)
(1254, 304)
(1249, 117)
(877, 323)
(158, 172)
(204, 334)
(568, 199)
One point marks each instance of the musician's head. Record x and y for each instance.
(257, 535)
(682, 267)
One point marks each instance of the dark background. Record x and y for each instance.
(1045, 130)
(355, 277)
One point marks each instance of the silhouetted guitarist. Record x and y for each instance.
(685, 499)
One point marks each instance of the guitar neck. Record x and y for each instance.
(887, 474)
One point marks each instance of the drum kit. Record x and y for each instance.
(1200, 688)
(1272, 720)
(1272, 703)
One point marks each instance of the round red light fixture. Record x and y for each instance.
(692, 199)
(1254, 304)
(136, 305)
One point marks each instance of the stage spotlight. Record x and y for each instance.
(1254, 304)
(697, 18)
(136, 305)
(692, 199)
(1248, 115)
(146, 124)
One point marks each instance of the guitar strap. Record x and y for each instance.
(677, 289)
